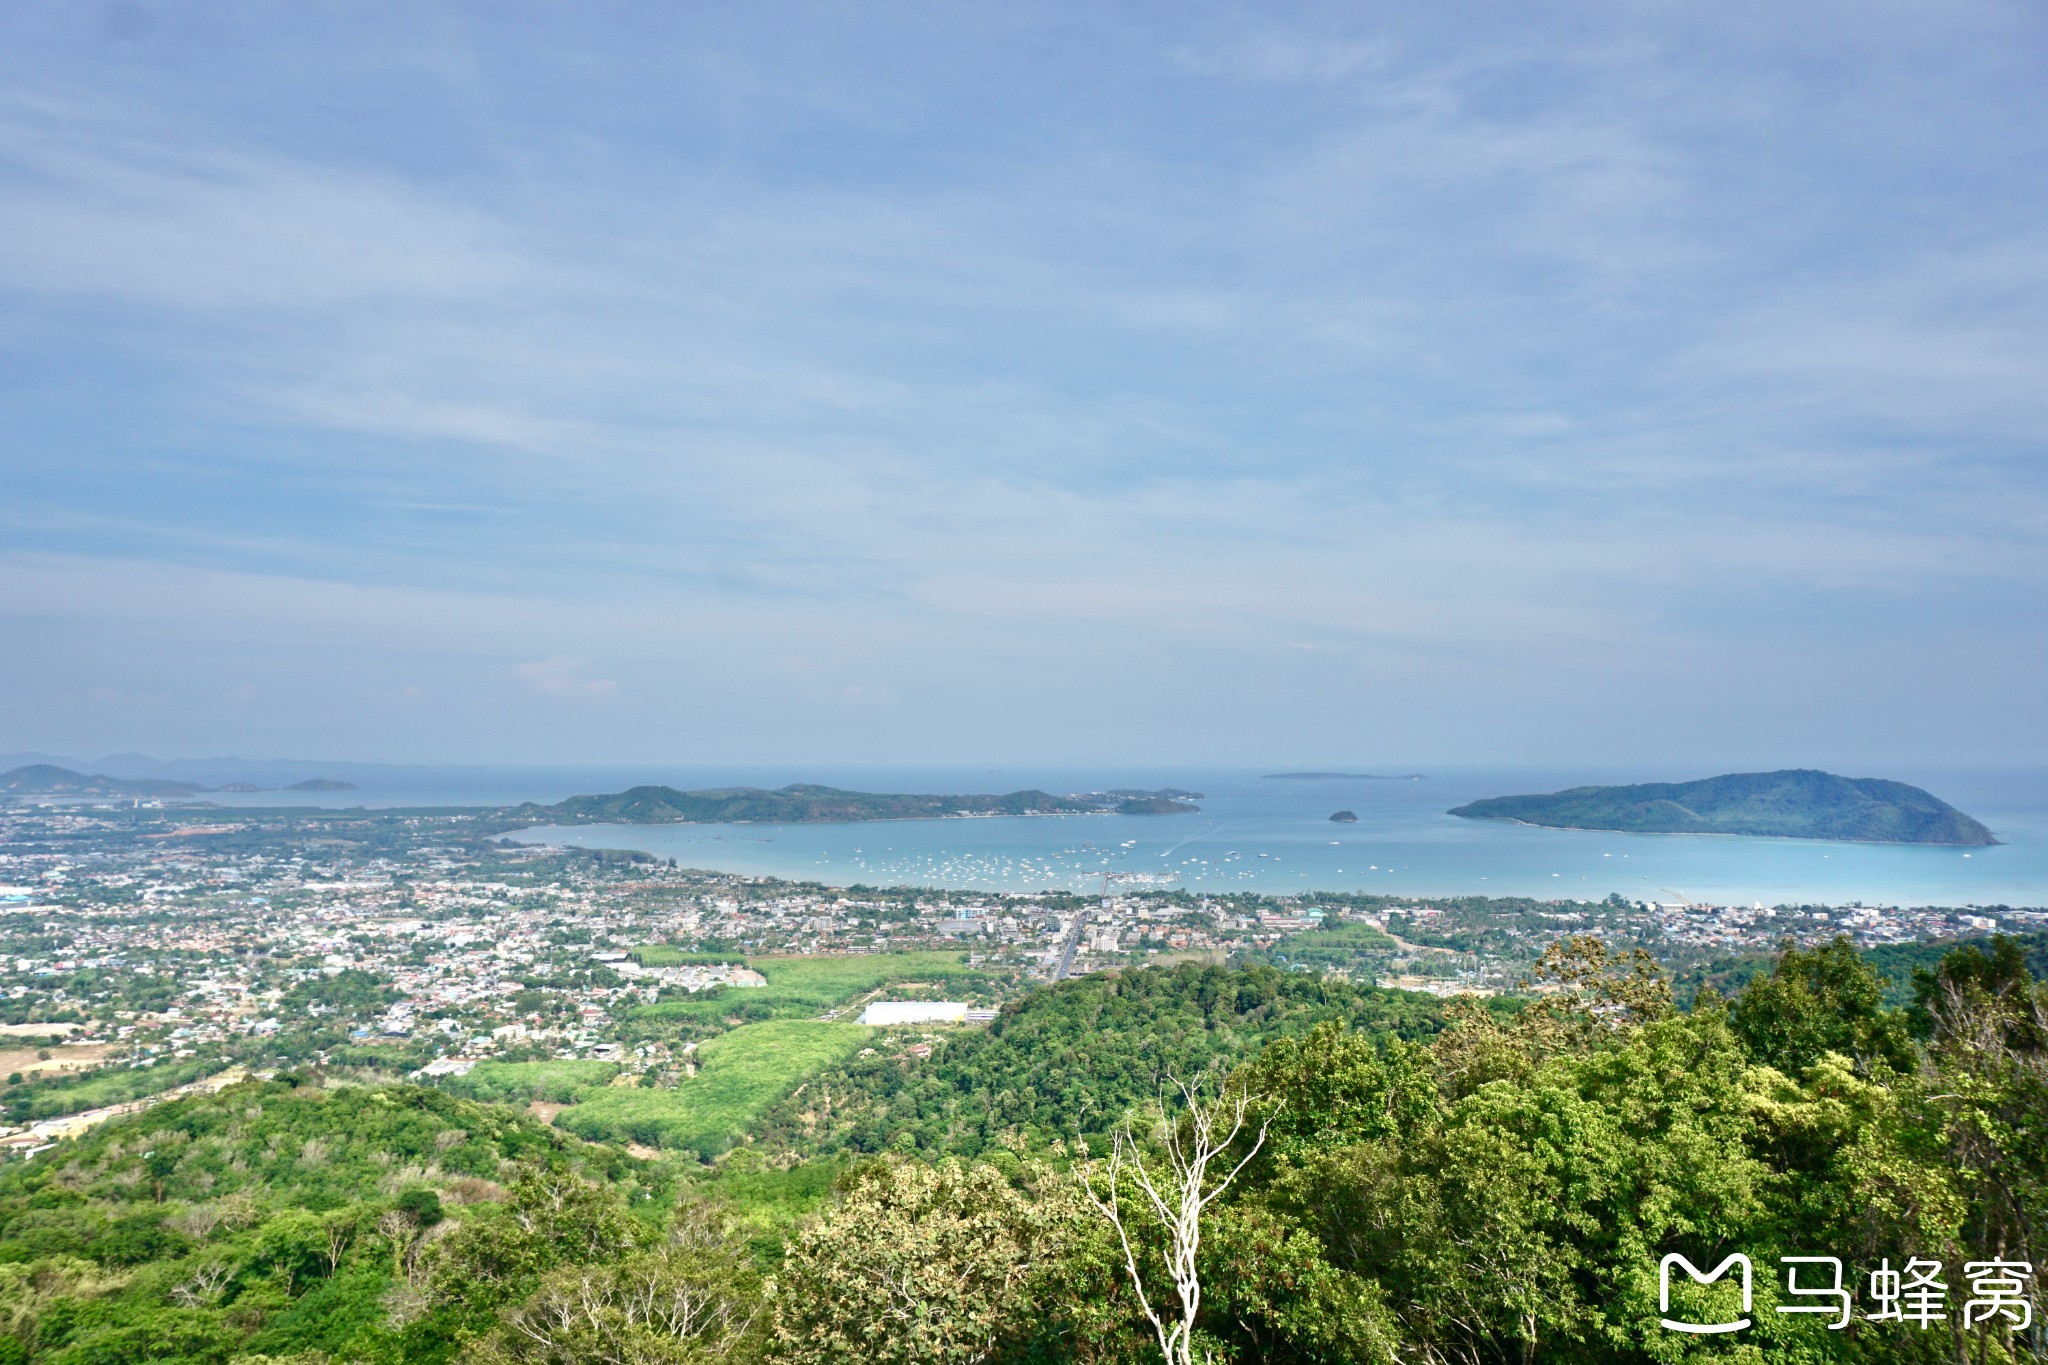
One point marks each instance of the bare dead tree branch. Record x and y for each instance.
(1177, 1186)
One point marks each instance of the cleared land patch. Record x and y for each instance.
(51, 1095)
(63, 1057)
(802, 986)
(740, 1074)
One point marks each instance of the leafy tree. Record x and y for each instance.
(421, 1205)
(669, 1305)
(1816, 1001)
(553, 1218)
(1985, 1107)
(918, 1264)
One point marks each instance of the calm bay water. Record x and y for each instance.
(1276, 836)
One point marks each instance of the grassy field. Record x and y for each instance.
(740, 1074)
(558, 1081)
(799, 987)
(821, 982)
(661, 955)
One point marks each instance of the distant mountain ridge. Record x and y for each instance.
(806, 803)
(47, 779)
(220, 771)
(1794, 803)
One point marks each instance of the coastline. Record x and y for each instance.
(1725, 834)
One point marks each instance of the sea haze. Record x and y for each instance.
(1256, 834)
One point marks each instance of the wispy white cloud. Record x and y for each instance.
(561, 677)
(97, 207)
(1457, 363)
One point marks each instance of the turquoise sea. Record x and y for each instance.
(1276, 836)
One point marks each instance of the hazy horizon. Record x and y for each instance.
(1606, 384)
(458, 783)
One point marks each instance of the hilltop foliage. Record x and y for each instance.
(1437, 1183)
(267, 1219)
(1502, 1191)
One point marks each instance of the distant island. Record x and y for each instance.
(1154, 805)
(311, 784)
(1346, 817)
(804, 803)
(1344, 777)
(1796, 803)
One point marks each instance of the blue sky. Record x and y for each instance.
(939, 382)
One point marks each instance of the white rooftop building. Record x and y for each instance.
(885, 1012)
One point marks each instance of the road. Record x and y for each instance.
(1072, 945)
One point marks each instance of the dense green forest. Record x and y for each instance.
(1797, 803)
(1073, 1058)
(1413, 1181)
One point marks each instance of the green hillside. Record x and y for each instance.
(1435, 1182)
(1797, 803)
(557, 1080)
(278, 1221)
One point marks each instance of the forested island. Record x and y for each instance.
(1795, 803)
(806, 803)
(1153, 805)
